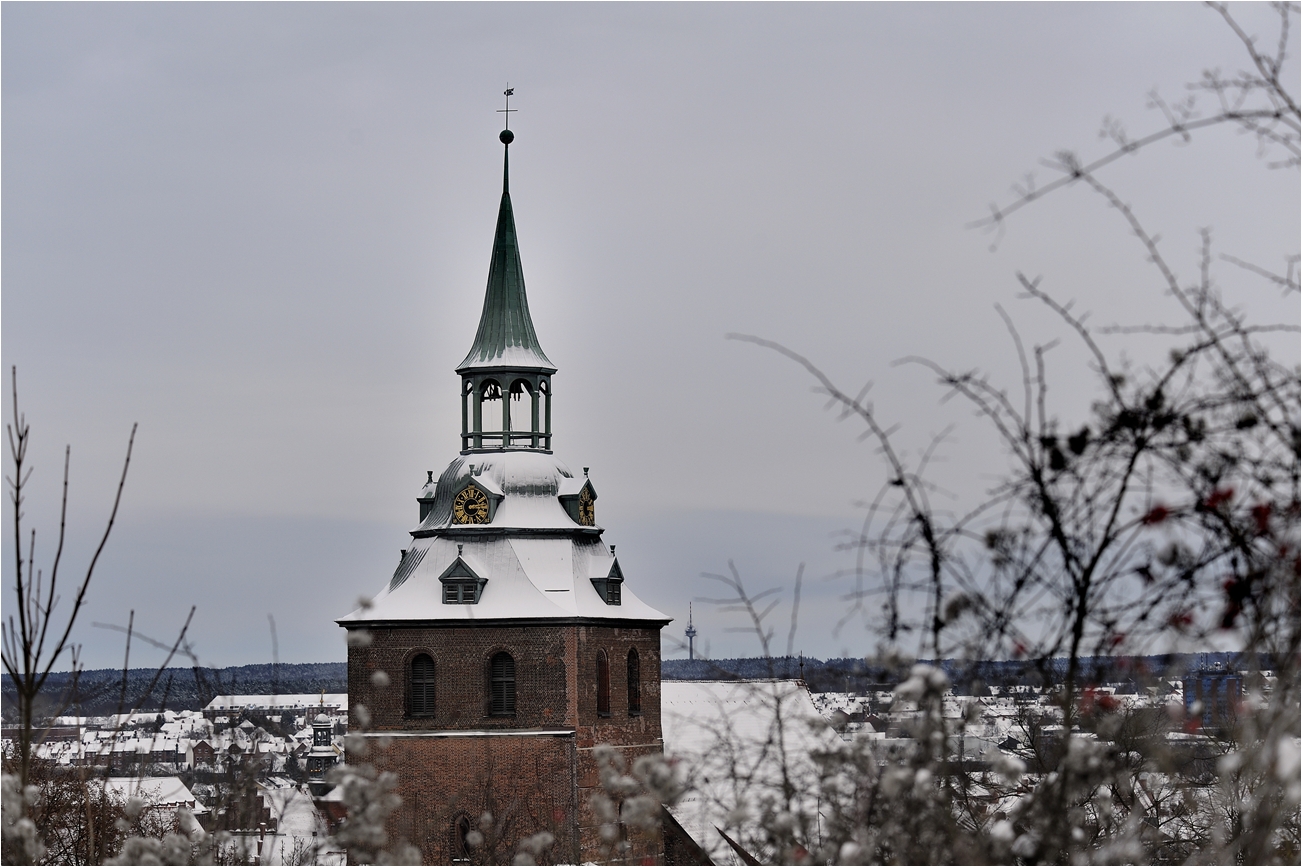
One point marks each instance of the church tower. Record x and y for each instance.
(505, 646)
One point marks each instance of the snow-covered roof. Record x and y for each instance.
(507, 358)
(529, 481)
(527, 578)
(297, 701)
(536, 561)
(295, 813)
(156, 791)
(570, 486)
(735, 737)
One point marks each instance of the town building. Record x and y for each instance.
(305, 704)
(506, 645)
(750, 745)
(322, 755)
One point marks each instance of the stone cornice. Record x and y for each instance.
(472, 531)
(426, 623)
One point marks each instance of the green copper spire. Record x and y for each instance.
(506, 338)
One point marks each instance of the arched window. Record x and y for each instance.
(491, 413)
(634, 683)
(524, 412)
(603, 684)
(461, 845)
(501, 685)
(420, 693)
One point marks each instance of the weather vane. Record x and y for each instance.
(508, 93)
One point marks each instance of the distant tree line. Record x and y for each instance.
(850, 674)
(100, 691)
(103, 691)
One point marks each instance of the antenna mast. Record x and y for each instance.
(691, 634)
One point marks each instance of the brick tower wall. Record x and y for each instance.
(522, 782)
(461, 657)
(541, 781)
(633, 735)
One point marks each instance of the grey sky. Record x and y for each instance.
(263, 231)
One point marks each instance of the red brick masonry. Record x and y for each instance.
(533, 771)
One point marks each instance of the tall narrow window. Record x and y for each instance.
(634, 683)
(603, 684)
(461, 839)
(501, 685)
(421, 690)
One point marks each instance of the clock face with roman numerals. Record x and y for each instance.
(470, 506)
(587, 508)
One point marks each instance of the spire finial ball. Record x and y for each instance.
(507, 136)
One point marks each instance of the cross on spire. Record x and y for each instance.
(508, 93)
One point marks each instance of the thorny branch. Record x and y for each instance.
(1165, 514)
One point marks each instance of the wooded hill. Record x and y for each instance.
(101, 691)
(851, 674)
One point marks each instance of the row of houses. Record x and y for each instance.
(171, 742)
(724, 731)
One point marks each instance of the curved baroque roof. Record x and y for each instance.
(539, 564)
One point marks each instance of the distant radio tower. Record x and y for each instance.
(690, 632)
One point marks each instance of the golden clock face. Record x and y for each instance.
(470, 506)
(587, 508)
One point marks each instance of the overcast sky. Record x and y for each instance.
(263, 231)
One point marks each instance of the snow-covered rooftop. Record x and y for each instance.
(526, 578)
(529, 481)
(739, 741)
(156, 791)
(331, 700)
(535, 560)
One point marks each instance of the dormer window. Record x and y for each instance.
(426, 498)
(476, 499)
(580, 500)
(460, 592)
(470, 506)
(461, 584)
(608, 586)
(587, 507)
